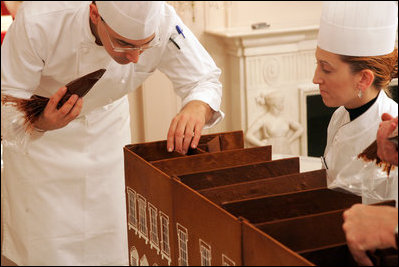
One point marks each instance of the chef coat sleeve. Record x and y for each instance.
(192, 71)
(21, 63)
(21, 67)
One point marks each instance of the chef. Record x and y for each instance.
(64, 183)
(356, 59)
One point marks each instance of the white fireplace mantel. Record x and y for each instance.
(248, 42)
(276, 58)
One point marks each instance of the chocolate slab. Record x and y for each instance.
(81, 86)
(266, 186)
(241, 173)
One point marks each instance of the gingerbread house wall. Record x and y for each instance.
(231, 207)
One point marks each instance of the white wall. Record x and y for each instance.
(280, 13)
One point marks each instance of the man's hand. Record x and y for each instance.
(53, 118)
(369, 228)
(186, 126)
(387, 150)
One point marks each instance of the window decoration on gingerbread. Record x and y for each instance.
(205, 251)
(165, 247)
(182, 236)
(226, 261)
(134, 257)
(153, 213)
(143, 230)
(132, 210)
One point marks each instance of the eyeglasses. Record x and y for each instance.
(153, 43)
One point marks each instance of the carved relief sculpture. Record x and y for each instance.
(271, 127)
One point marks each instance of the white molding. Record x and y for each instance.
(247, 42)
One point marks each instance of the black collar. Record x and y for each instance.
(356, 112)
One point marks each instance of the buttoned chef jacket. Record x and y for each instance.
(64, 194)
(346, 140)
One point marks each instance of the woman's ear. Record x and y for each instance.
(94, 15)
(366, 79)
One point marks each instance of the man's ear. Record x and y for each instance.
(366, 79)
(94, 15)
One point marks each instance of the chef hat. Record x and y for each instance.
(135, 20)
(358, 28)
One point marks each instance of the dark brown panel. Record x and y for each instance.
(202, 220)
(384, 257)
(213, 145)
(153, 151)
(336, 255)
(307, 232)
(259, 249)
(209, 161)
(158, 151)
(232, 140)
(264, 187)
(264, 209)
(339, 255)
(234, 175)
(222, 141)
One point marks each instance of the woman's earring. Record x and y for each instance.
(360, 93)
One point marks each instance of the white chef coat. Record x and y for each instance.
(64, 193)
(346, 139)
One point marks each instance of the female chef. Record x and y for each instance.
(64, 191)
(356, 60)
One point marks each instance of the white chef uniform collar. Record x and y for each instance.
(135, 20)
(358, 28)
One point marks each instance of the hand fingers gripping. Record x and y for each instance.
(54, 99)
(176, 133)
(75, 110)
(170, 144)
(54, 118)
(188, 136)
(361, 258)
(386, 117)
(197, 135)
(68, 105)
(70, 110)
(179, 134)
(49, 119)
